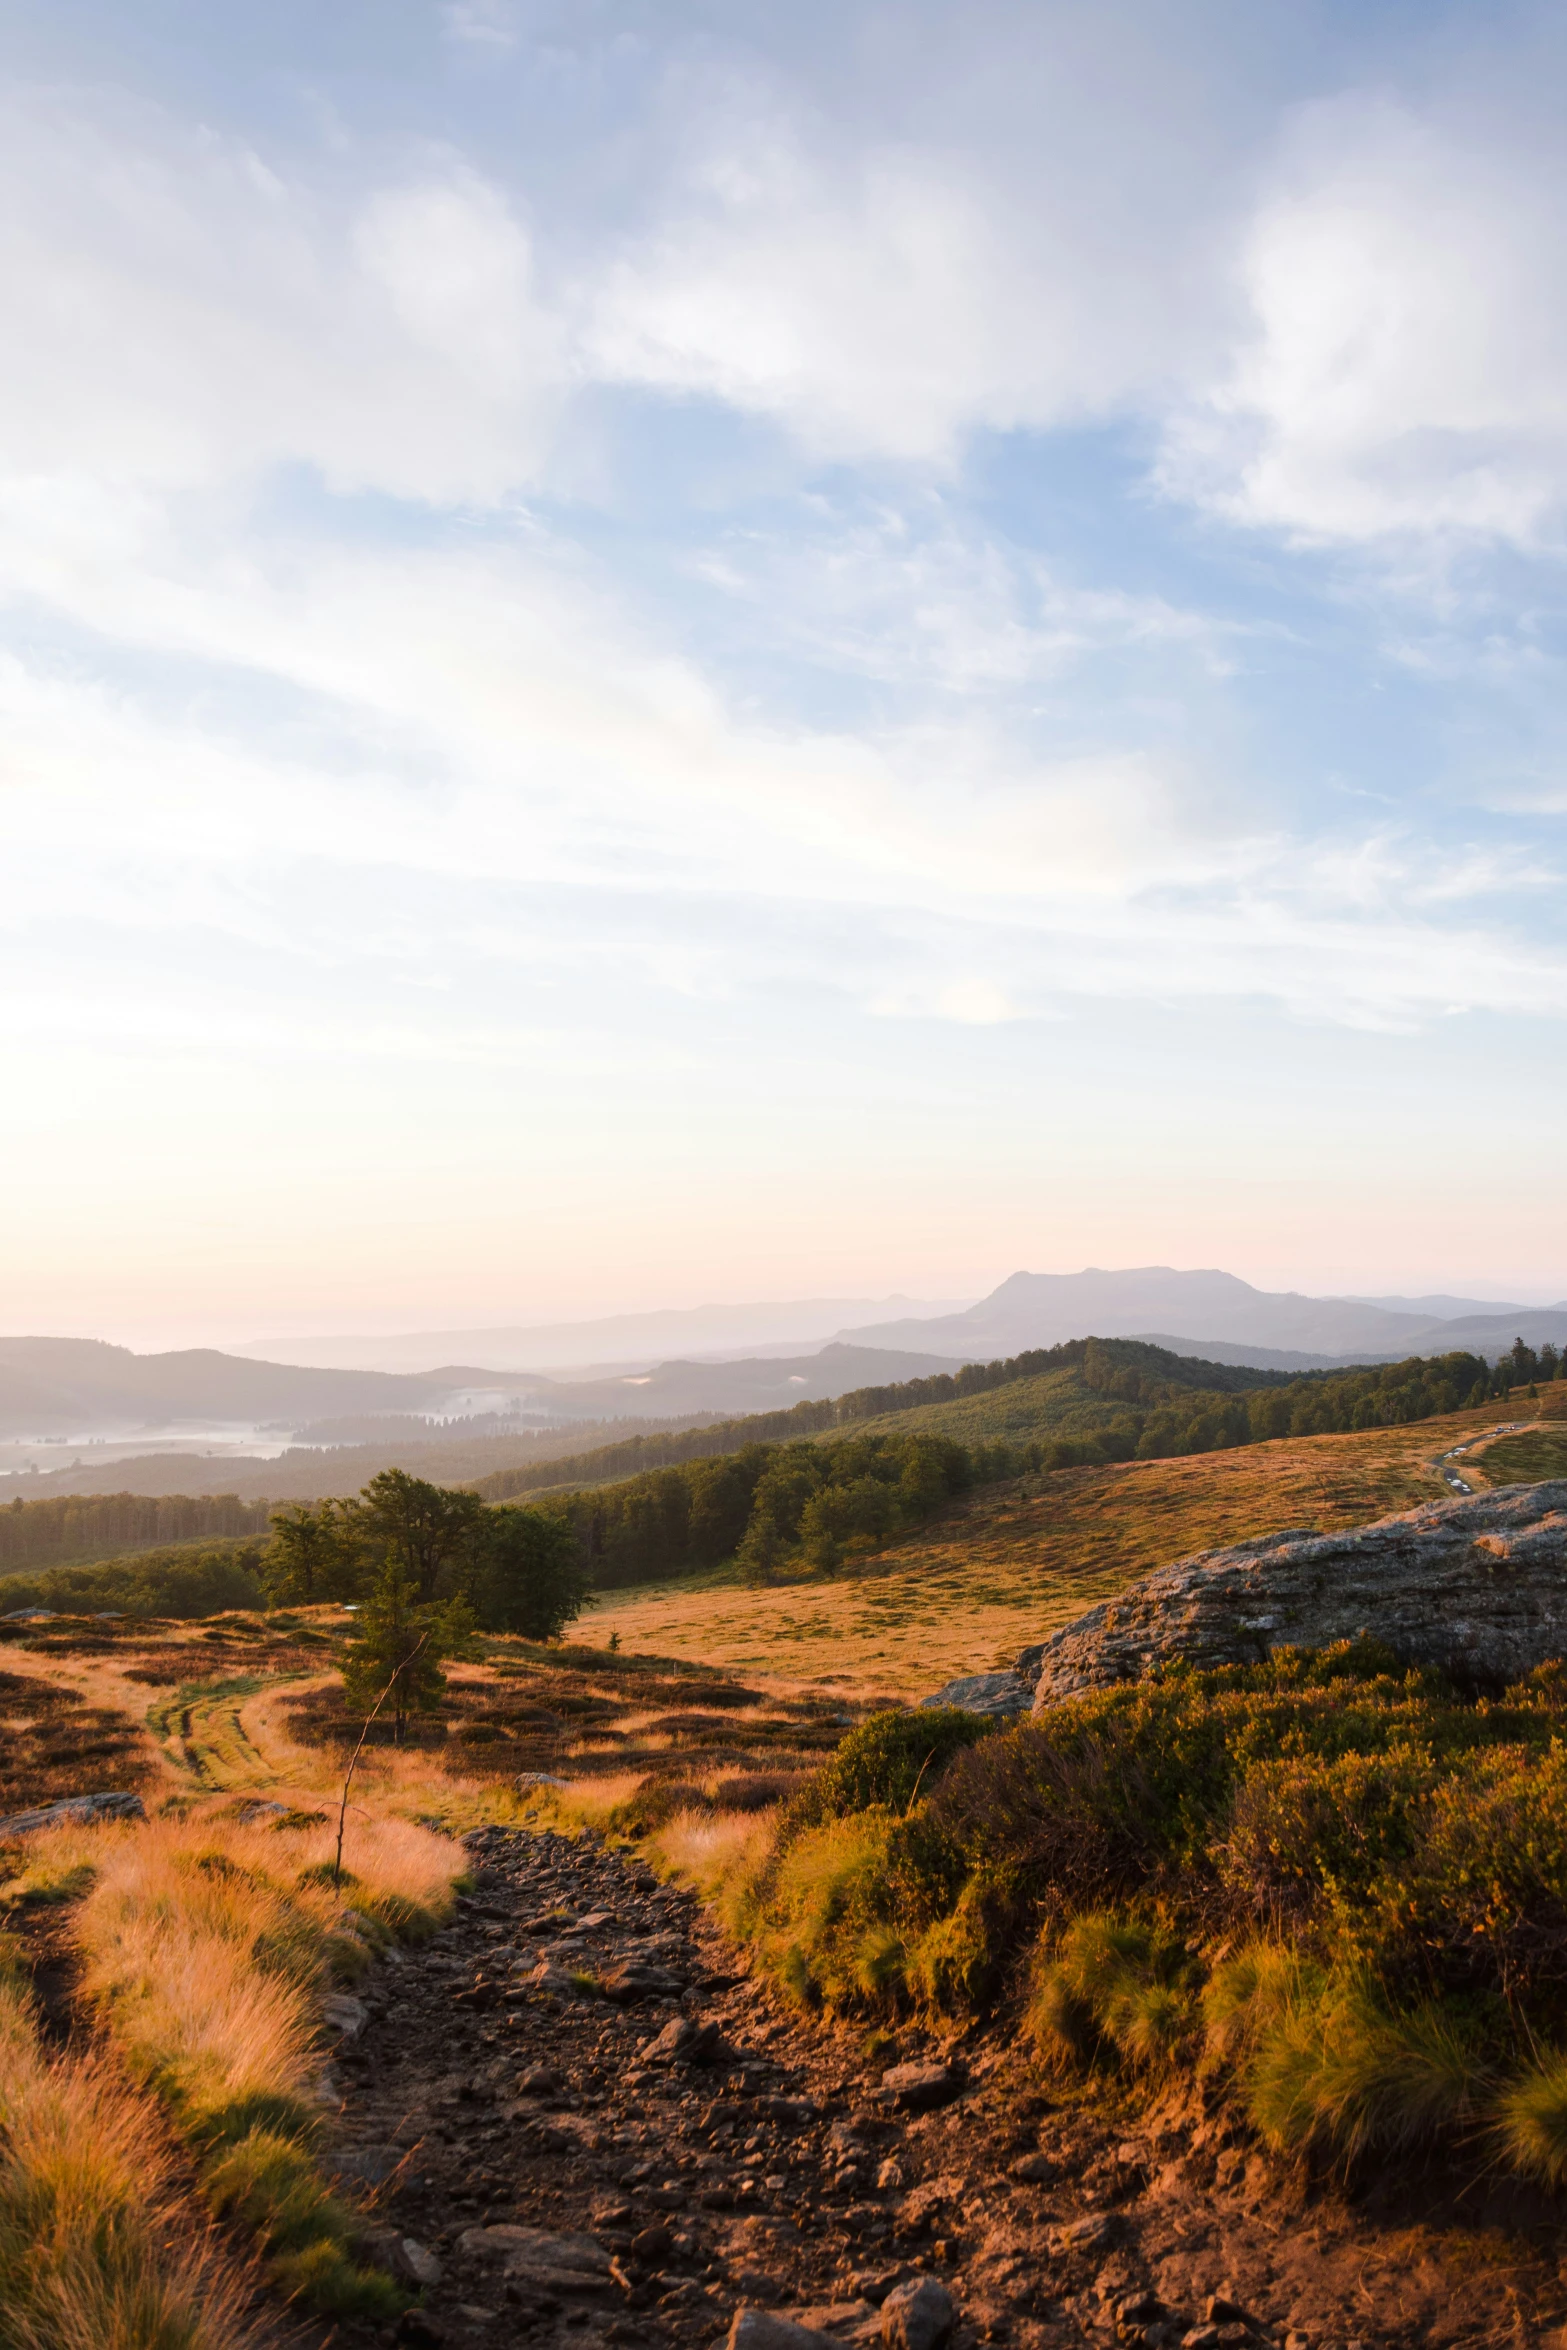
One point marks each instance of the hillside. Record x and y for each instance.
(1020, 1559)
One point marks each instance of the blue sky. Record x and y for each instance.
(654, 653)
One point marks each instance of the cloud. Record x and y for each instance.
(1403, 369)
(889, 299)
(181, 315)
(481, 24)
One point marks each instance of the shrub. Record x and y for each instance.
(888, 1760)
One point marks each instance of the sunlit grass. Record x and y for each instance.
(93, 2254)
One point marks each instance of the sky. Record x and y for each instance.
(664, 653)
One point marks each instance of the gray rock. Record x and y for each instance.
(917, 2087)
(366, 2166)
(916, 2316)
(77, 1811)
(1474, 1586)
(344, 2015)
(418, 2263)
(998, 1694)
(763, 2329)
(569, 2263)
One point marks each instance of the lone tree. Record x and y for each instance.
(398, 1647)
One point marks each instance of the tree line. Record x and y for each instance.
(823, 1506)
(771, 1505)
(111, 1525)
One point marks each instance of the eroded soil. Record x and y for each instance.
(558, 2177)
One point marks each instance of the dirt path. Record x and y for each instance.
(559, 2166)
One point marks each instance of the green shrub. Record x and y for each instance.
(888, 1760)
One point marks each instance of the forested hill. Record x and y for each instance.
(1112, 1393)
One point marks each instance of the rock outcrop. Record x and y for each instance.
(76, 1811)
(1477, 1586)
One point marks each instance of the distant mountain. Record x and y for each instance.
(1201, 1311)
(632, 1342)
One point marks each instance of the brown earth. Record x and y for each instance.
(492, 2088)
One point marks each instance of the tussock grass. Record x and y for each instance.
(1531, 2120)
(92, 2252)
(1342, 2074)
(1112, 1986)
(206, 1945)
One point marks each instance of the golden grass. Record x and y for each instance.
(92, 2252)
(206, 1945)
(1017, 1561)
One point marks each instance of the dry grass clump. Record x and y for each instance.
(206, 1943)
(92, 2255)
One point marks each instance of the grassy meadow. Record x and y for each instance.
(1016, 1561)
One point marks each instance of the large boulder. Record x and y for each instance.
(1477, 1586)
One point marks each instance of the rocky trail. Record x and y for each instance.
(577, 2120)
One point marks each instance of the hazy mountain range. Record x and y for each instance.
(81, 1388)
(617, 1342)
(1206, 1312)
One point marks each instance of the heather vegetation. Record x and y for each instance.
(1336, 1886)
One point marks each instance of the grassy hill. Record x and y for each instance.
(1021, 1558)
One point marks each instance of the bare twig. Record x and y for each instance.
(342, 1809)
(924, 1767)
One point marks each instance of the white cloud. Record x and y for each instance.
(887, 301)
(180, 315)
(481, 24)
(1404, 371)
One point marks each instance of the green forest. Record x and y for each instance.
(821, 1506)
(190, 1581)
(110, 1525)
